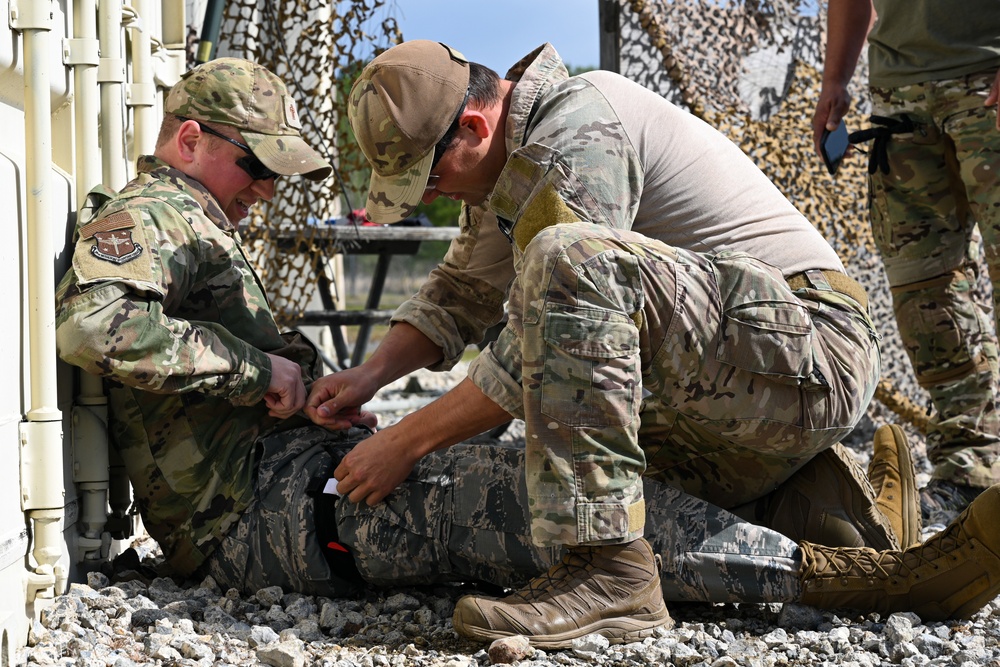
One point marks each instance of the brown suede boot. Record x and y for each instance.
(612, 590)
(893, 479)
(951, 575)
(829, 501)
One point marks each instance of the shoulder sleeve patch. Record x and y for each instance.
(113, 247)
(525, 169)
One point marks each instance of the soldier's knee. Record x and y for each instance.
(942, 326)
(547, 242)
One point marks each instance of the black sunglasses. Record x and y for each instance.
(444, 142)
(249, 162)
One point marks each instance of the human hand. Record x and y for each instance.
(834, 102)
(350, 417)
(335, 400)
(993, 99)
(286, 394)
(374, 467)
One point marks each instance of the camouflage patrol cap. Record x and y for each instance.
(400, 107)
(247, 96)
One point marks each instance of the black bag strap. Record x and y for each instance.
(878, 157)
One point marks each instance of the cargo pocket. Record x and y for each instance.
(592, 367)
(764, 330)
(881, 223)
(288, 549)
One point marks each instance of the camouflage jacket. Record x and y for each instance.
(602, 149)
(162, 302)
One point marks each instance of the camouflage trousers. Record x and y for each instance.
(942, 181)
(283, 537)
(464, 515)
(708, 372)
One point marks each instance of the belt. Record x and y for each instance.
(839, 282)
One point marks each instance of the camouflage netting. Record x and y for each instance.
(752, 68)
(749, 67)
(314, 46)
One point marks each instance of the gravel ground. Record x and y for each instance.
(135, 618)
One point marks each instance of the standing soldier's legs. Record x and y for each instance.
(973, 129)
(922, 226)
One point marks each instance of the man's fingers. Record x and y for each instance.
(365, 418)
(283, 405)
(354, 492)
(363, 495)
(318, 395)
(336, 422)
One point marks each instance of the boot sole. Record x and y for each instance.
(621, 630)
(908, 490)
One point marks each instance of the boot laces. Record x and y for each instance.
(888, 565)
(881, 466)
(576, 564)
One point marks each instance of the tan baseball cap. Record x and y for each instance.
(247, 96)
(400, 107)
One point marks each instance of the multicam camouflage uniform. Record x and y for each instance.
(942, 181)
(161, 301)
(671, 313)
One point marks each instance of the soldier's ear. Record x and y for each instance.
(186, 140)
(476, 122)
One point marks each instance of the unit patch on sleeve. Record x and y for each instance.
(113, 238)
(113, 247)
(117, 246)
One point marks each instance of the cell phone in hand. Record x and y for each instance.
(833, 146)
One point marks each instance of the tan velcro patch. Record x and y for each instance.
(113, 248)
(115, 221)
(526, 193)
(636, 516)
(545, 209)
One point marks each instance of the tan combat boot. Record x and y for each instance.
(829, 501)
(612, 590)
(894, 480)
(951, 575)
